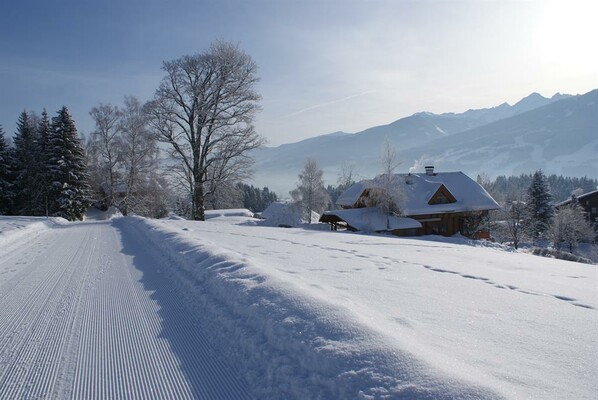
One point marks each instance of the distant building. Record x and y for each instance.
(431, 203)
(588, 201)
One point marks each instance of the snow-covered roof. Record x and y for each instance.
(372, 219)
(350, 196)
(285, 213)
(415, 195)
(580, 197)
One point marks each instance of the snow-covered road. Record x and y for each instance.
(80, 318)
(172, 309)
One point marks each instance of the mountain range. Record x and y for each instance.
(558, 135)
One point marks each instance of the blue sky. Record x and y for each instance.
(324, 65)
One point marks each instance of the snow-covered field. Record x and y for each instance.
(226, 308)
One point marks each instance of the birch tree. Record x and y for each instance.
(139, 156)
(310, 194)
(104, 149)
(385, 191)
(204, 109)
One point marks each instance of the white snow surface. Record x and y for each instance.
(285, 213)
(138, 308)
(13, 229)
(236, 212)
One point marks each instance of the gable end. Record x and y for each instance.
(442, 196)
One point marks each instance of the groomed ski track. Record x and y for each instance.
(79, 319)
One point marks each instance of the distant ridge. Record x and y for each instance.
(558, 134)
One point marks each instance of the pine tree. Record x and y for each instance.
(256, 199)
(6, 187)
(539, 210)
(70, 195)
(25, 165)
(43, 185)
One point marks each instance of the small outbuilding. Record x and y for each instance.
(588, 201)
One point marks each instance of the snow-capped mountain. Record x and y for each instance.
(557, 134)
(560, 138)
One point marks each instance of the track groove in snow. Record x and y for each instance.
(81, 319)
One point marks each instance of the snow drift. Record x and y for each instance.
(334, 315)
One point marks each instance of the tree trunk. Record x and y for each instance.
(199, 210)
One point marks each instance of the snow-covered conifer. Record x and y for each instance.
(539, 210)
(43, 186)
(6, 187)
(67, 169)
(25, 165)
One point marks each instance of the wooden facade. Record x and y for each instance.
(589, 202)
(448, 224)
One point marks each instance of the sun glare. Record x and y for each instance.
(566, 34)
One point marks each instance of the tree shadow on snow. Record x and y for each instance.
(207, 373)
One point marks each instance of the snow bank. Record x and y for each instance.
(15, 229)
(97, 215)
(291, 341)
(236, 212)
(285, 214)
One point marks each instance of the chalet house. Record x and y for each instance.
(431, 203)
(588, 201)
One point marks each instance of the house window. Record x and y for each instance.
(594, 210)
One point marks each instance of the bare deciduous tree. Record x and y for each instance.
(139, 156)
(511, 222)
(103, 149)
(385, 191)
(204, 108)
(570, 227)
(310, 194)
(346, 175)
(123, 156)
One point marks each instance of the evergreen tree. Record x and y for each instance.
(6, 187)
(70, 195)
(561, 187)
(267, 197)
(539, 210)
(43, 186)
(256, 199)
(25, 165)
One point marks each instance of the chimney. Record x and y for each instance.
(430, 170)
(408, 179)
